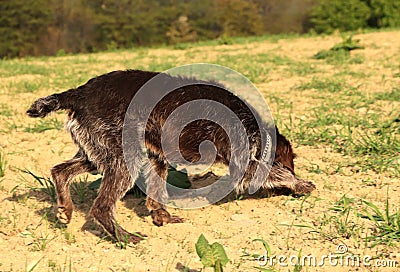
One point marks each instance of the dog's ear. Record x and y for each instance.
(284, 152)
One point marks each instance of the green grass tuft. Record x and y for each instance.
(385, 225)
(46, 185)
(45, 124)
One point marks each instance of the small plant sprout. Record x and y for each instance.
(213, 255)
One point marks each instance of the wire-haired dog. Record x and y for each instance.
(96, 112)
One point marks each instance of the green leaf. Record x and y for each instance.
(375, 209)
(208, 258)
(219, 253)
(201, 246)
(265, 244)
(297, 225)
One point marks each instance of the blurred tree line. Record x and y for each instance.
(45, 27)
(345, 15)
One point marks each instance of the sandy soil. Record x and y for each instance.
(29, 234)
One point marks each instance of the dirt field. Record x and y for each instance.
(341, 113)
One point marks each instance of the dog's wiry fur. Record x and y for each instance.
(96, 112)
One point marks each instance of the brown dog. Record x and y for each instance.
(96, 112)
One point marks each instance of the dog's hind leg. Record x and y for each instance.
(62, 175)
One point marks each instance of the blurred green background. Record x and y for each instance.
(51, 27)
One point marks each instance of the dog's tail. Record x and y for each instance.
(54, 102)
